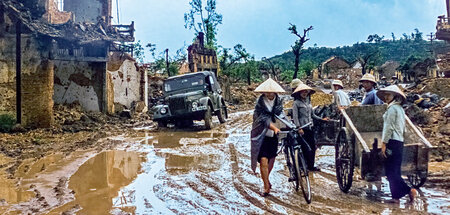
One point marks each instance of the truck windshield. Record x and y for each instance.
(183, 82)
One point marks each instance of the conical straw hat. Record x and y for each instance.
(294, 83)
(368, 77)
(302, 87)
(337, 82)
(391, 89)
(269, 86)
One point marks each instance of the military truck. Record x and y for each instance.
(188, 97)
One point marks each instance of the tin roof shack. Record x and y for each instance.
(62, 63)
(201, 58)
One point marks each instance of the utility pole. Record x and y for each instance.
(117, 6)
(18, 72)
(432, 37)
(167, 62)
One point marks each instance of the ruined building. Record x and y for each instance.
(64, 56)
(443, 33)
(201, 58)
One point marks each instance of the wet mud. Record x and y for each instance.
(195, 171)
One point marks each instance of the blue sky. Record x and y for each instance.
(261, 25)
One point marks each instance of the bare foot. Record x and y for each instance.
(412, 194)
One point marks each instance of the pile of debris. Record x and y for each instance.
(71, 118)
(428, 106)
(243, 96)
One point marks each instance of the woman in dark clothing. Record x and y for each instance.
(392, 146)
(302, 114)
(264, 140)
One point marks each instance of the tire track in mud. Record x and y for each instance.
(238, 178)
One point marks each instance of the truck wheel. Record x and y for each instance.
(162, 124)
(222, 114)
(208, 118)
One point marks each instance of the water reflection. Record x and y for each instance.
(99, 180)
(183, 164)
(176, 139)
(10, 193)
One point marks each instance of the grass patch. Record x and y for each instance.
(7, 122)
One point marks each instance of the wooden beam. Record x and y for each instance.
(357, 134)
(411, 124)
(18, 71)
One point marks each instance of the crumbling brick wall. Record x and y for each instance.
(53, 15)
(37, 80)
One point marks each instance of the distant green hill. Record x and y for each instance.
(398, 50)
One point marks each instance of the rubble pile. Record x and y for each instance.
(428, 106)
(321, 99)
(155, 89)
(438, 86)
(243, 96)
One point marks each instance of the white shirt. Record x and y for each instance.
(342, 98)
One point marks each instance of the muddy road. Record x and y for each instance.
(191, 171)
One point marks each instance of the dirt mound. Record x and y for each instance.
(439, 86)
(321, 98)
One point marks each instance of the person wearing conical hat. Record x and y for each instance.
(264, 140)
(368, 82)
(341, 98)
(294, 83)
(302, 114)
(392, 138)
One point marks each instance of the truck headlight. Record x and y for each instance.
(163, 110)
(194, 105)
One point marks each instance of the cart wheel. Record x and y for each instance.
(417, 180)
(345, 160)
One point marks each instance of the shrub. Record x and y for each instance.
(7, 122)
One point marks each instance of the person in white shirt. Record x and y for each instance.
(392, 146)
(341, 98)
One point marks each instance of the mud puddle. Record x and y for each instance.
(196, 171)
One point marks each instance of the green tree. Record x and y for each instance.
(368, 56)
(175, 62)
(298, 46)
(204, 19)
(138, 51)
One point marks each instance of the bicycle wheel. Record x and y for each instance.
(291, 166)
(302, 174)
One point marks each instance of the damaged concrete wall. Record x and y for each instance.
(127, 83)
(89, 10)
(37, 80)
(80, 82)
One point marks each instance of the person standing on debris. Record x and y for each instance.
(264, 140)
(302, 114)
(392, 146)
(368, 82)
(341, 98)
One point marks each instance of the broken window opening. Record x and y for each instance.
(60, 4)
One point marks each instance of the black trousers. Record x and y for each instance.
(309, 153)
(392, 167)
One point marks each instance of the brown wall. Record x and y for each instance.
(37, 80)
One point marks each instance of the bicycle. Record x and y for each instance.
(295, 161)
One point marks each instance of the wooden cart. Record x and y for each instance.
(357, 141)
